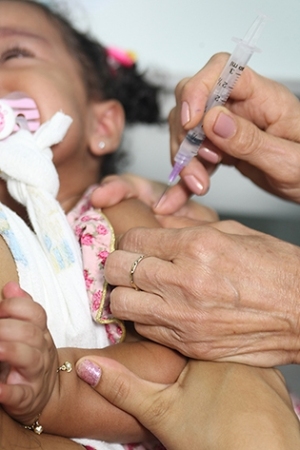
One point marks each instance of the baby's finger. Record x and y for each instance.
(24, 334)
(13, 289)
(12, 396)
(24, 309)
(22, 357)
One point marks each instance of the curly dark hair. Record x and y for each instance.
(103, 81)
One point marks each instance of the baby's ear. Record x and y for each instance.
(107, 127)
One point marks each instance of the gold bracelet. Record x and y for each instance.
(36, 427)
(65, 367)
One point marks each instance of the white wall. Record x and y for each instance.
(178, 37)
(181, 35)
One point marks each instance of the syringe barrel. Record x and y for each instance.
(220, 93)
(230, 74)
(187, 151)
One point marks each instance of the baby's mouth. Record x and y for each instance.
(17, 110)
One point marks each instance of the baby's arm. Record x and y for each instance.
(129, 214)
(94, 416)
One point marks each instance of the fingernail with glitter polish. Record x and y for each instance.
(89, 372)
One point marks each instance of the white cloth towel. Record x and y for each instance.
(48, 257)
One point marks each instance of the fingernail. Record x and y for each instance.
(193, 184)
(185, 113)
(89, 372)
(224, 126)
(161, 200)
(209, 155)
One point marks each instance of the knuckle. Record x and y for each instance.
(291, 167)
(179, 89)
(128, 240)
(231, 225)
(40, 315)
(31, 333)
(171, 116)
(111, 263)
(248, 141)
(198, 242)
(120, 391)
(218, 59)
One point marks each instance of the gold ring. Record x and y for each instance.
(133, 269)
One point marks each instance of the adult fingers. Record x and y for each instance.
(116, 188)
(168, 244)
(244, 141)
(192, 93)
(161, 247)
(198, 185)
(191, 97)
(111, 191)
(149, 272)
(172, 199)
(157, 242)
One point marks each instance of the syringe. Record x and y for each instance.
(220, 93)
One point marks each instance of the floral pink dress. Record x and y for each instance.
(96, 238)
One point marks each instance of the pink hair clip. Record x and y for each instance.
(119, 57)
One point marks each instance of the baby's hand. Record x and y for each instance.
(28, 357)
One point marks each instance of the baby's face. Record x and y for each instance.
(35, 60)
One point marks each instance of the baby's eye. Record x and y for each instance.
(15, 52)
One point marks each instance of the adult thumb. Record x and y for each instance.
(243, 140)
(124, 389)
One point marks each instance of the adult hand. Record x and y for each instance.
(115, 188)
(211, 405)
(217, 292)
(258, 132)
